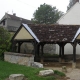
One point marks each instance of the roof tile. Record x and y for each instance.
(56, 33)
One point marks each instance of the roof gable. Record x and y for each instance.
(23, 34)
(78, 37)
(72, 16)
(14, 17)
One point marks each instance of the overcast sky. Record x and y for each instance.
(26, 8)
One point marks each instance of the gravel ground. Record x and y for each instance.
(71, 74)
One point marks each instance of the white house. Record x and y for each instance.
(71, 17)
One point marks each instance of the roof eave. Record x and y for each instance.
(31, 32)
(77, 33)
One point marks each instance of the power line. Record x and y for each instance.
(26, 4)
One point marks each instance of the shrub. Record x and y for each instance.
(4, 41)
(59, 73)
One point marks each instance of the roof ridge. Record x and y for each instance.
(17, 16)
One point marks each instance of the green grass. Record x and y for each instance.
(59, 73)
(7, 68)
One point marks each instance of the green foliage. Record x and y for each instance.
(59, 73)
(71, 3)
(46, 14)
(4, 41)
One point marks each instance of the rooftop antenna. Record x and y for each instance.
(12, 12)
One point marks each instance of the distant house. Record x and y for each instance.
(72, 17)
(12, 22)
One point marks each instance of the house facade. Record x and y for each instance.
(72, 17)
(12, 22)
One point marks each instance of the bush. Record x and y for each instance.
(59, 73)
(5, 38)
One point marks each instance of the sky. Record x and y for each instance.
(26, 8)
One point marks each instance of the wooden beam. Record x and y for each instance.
(38, 50)
(74, 52)
(42, 46)
(74, 55)
(35, 50)
(13, 46)
(61, 51)
(19, 45)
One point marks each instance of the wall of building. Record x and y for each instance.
(23, 34)
(14, 23)
(50, 48)
(72, 17)
(68, 49)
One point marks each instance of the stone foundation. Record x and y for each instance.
(23, 59)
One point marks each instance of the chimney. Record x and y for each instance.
(14, 14)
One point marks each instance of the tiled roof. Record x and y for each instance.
(14, 17)
(55, 33)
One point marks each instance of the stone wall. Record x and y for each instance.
(50, 48)
(23, 59)
(29, 48)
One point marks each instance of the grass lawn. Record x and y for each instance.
(31, 73)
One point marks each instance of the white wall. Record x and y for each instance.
(72, 16)
(68, 49)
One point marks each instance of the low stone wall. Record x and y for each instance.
(23, 59)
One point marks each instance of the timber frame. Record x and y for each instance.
(40, 39)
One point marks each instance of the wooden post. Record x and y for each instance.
(13, 46)
(42, 46)
(60, 51)
(74, 55)
(19, 45)
(35, 51)
(38, 49)
(63, 53)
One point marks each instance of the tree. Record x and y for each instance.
(4, 41)
(46, 14)
(71, 3)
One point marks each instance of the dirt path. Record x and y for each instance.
(72, 74)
